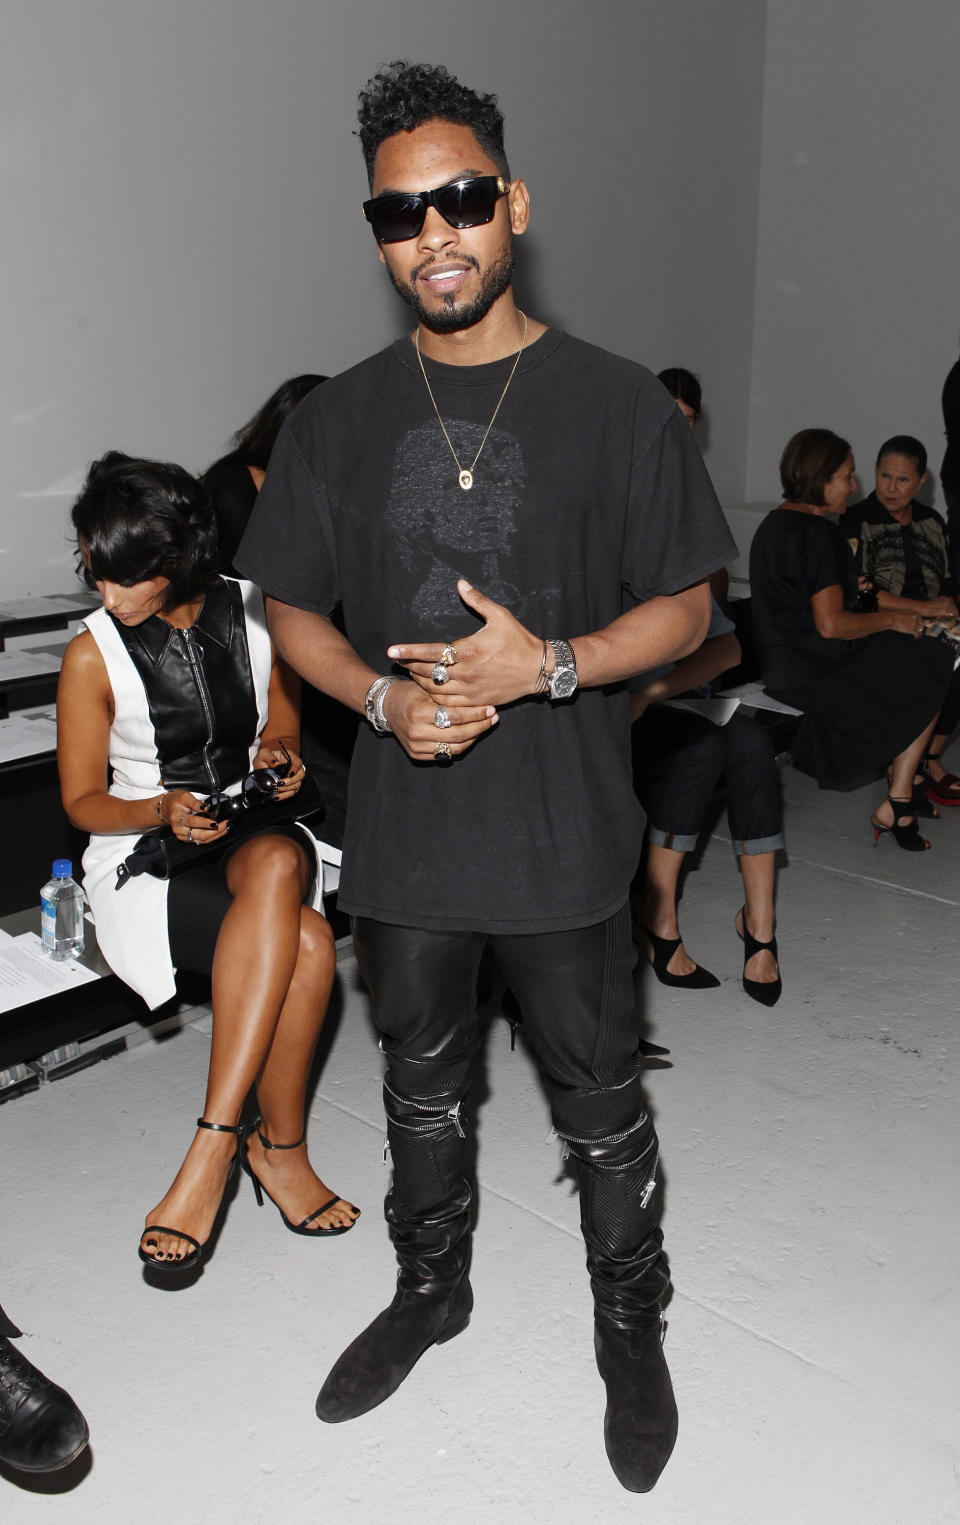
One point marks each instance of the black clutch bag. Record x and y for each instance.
(162, 855)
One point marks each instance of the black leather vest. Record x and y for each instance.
(200, 692)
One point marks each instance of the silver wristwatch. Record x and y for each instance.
(562, 682)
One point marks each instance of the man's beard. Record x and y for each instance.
(454, 315)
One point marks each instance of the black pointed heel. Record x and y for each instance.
(767, 992)
(908, 837)
(663, 950)
(193, 1259)
(260, 1191)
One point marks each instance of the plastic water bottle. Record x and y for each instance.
(61, 912)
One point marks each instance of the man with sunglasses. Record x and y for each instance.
(491, 801)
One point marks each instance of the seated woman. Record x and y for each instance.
(173, 692)
(900, 547)
(234, 480)
(682, 758)
(870, 689)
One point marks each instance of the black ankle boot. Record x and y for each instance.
(386, 1352)
(41, 1428)
(640, 1424)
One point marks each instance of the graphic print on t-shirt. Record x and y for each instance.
(440, 532)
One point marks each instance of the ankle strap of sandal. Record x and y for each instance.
(900, 807)
(267, 1144)
(219, 1127)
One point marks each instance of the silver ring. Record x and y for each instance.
(442, 717)
(190, 834)
(449, 654)
(442, 752)
(181, 817)
(439, 674)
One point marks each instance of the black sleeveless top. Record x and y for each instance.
(200, 691)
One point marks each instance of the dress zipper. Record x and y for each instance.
(194, 655)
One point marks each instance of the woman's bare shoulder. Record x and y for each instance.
(82, 661)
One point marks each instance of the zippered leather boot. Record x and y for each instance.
(428, 1210)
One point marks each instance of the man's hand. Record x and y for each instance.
(493, 666)
(412, 717)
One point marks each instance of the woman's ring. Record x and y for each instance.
(190, 834)
(442, 717)
(181, 818)
(442, 753)
(439, 674)
(449, 654)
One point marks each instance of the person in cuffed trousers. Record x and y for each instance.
(485, 498)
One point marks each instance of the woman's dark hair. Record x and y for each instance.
(253, 443)
(138, 519)
(683, 386)
(402, 96)
(808, 463)
(908, 445)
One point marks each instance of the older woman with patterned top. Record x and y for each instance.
(901, 551)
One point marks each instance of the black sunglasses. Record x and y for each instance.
(398, 215)
(257, 788)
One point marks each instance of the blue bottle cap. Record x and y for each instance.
(62, 868)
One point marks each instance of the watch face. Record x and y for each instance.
(563, 683)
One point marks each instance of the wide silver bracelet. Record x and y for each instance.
(373, 705)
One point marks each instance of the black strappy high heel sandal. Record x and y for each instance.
(260, 1191)
(922, 803)
(176, 1267)
(663, 950)
(908, 837)
(767, 992)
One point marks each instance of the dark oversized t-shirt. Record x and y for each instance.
(589, 497)
(793, 556)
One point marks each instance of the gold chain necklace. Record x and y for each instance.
(466, 472)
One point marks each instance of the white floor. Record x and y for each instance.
(811, 1157)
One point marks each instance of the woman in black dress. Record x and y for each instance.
(869, 688)
(901, 551)
(234, 480)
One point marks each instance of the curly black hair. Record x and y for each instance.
(402, 96)
(137, 519)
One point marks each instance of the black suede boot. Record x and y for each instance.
(41, 1428)
(428, 1210)
(386, 1352)
(640, 1424)
(611, 1136)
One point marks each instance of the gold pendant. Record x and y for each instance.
(466, 480)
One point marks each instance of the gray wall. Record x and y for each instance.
(858, 269)
(181, 193)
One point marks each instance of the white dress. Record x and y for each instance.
(132, 922)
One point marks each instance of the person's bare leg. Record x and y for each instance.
(657, 906)
(281, 1085)
(903, 770)
(758, 871)
(253, 965)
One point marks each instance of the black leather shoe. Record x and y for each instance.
(41, 1427)
(386, 1352)
(640, 1425)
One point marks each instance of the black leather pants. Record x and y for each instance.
(576, 993)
